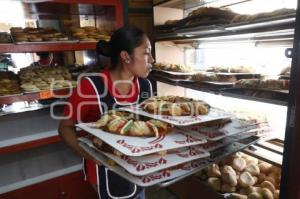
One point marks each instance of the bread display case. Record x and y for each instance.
(32, 155)
(224, 35)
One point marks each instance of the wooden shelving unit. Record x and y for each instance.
(30, 146)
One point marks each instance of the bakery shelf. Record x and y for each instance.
(270, 146)
(23, 48)
(10, 109)
(36, 165)
(266, 28)
(29, 136)
(267, 96)
(34, 96)
(102, 2)
(26, 134)
(205, 87)
(265, 155)
(188, 4)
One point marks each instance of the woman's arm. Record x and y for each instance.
(67, 131)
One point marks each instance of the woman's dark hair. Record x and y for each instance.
(126, 38)
(43, 55)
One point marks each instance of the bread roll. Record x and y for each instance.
(271, 180)
(229, 175)
(213, 171)
(275, 170)
(264, 167)
(274, 178)
(248, 190)
(227, 160)
(226, 188)
(250, 159)
(238, 155)
(268, 185)
(243, 191)
(267, 194)
(253, 169)
(237, 196)
(255, 195)
(214, 183)
(246, 179)
(276, 194)
(261, 177)
(239, 164)
(255, 179)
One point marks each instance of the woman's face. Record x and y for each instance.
(141, 59)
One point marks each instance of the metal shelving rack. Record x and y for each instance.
(286, 28)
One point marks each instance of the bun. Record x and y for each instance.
(104, 48)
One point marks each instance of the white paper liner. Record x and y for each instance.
(138, 146)
(214, 133)
(151, 163)
(213, 114)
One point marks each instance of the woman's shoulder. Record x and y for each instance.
(84, 86)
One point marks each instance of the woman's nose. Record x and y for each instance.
(151, 59)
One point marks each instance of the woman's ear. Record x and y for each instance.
(125, 57)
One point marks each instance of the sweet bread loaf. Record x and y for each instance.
(124, 124)
(255, 195)
(175, 106)
(214, 183)
(229, 176)
(267, 194)
(253, 169)
(213, 171)
(246, 179)
(238, 164)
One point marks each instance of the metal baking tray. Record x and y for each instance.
(167, 27)
(70, 40)
(7, 37)
(240, 75)
(214, 84)
(279, 97)
(173, 76)
(264, 22)
(270, 22)
(200, 30)
(208, 23)
(284, 76)
(82, 41)
(174, 72)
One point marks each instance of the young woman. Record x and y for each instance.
(123, 83)
(45, 59)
